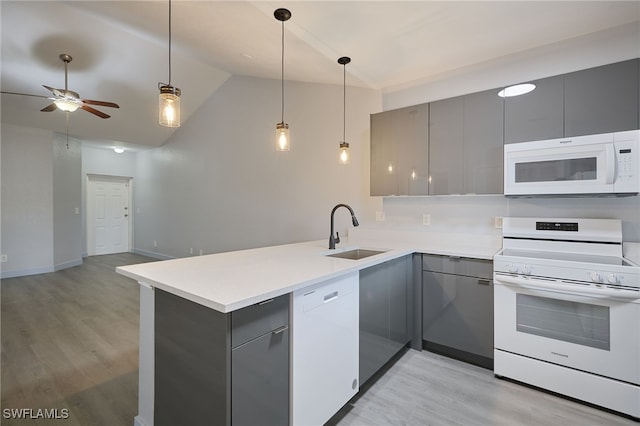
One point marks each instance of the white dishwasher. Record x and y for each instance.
(324, 349)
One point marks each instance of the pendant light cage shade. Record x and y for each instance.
(169, 98)
(344, 157)
(169, 106)
(283, 140)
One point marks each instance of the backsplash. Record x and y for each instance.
(475, 214)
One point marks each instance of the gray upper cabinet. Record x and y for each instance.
(602, 99)
(399, 151)
(445, 147)
(465, 144)
(483, 143)
(536, 115)
(384, 155)
(411, 126)
(455, 145)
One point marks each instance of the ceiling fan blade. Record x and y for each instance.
(49, 108)
(95, 111)
(56, 92)
(101, 103)
(23, 94)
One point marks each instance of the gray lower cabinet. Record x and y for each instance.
(260, 364)
(385, 314)
(214, 368)
(457, 308)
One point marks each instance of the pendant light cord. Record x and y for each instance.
(169, 42)
(344, 103)
(282, 68)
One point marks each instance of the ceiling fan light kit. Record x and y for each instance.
(67, 100)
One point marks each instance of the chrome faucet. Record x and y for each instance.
(336, 240)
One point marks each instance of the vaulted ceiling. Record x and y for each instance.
(120, 49)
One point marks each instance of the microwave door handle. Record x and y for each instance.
(610, 159)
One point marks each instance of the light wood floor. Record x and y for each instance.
(70, 340)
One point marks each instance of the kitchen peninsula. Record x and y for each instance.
(213, 308)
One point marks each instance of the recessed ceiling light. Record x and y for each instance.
(118, 149)
(516, 90)
(246, 55)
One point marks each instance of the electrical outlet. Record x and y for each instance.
(426, 219)
(380, 216)
(77, 210)
(497, 222)
(191, 250)
(155, 244)
(4, 258)
(200, 252)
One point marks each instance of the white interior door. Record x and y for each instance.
(108, 215)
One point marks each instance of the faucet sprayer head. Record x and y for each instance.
(354, 220)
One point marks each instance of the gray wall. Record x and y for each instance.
(27, 201)
(220, 185)
(67, 240)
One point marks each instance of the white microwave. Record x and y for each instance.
(605, 164)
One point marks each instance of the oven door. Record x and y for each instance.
(559, 170)
(592, 334)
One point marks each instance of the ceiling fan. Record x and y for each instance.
(68, 100)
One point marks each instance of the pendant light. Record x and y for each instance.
(169, 100)
(283, 142)
(344, 158)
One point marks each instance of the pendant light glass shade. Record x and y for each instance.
(282, 137)
(283, 141)
(65, 105)
(345, 155)
(169, 106)
(169, 98)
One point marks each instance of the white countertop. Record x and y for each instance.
(232, 280)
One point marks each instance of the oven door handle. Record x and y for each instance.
(574, 289)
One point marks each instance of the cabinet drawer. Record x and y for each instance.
(256, 320)
(458, 265)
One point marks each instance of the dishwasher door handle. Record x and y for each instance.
(331, 296)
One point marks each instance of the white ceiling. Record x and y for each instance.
(120, 52)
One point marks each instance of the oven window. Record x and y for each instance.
(556, 170)
(572, 322)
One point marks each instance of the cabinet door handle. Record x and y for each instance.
(280, 330)
(484, 282)
(264, 302)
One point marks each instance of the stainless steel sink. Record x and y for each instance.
(355, 254)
